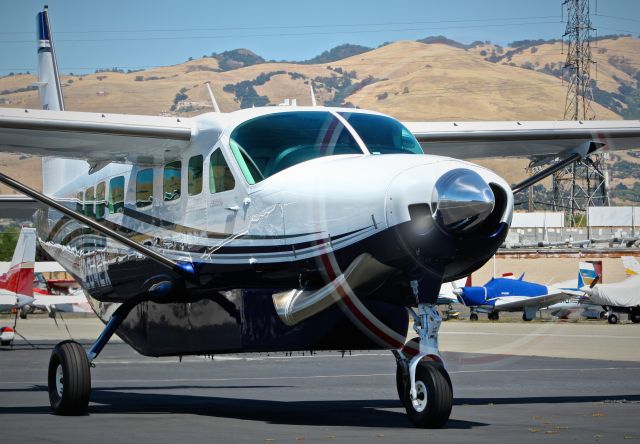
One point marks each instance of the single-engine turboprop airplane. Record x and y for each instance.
(272, 229)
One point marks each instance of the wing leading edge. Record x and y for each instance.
(468, 140)
(94, 137)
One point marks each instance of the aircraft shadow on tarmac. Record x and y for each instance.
(354, 413)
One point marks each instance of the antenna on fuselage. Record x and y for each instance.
(313, 95)
(216, 108)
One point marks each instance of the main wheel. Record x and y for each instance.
(526, 318)
(635, 318)
(434, 397)
(612, 319)
(5, 342)
(473, 317)
(69, 379)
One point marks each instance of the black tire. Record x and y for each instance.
(635, 318)
(525, 318)
(473, 317)
(23, 314)
(5, 342)
(612, 319)
(435, 412)
(72, 397)
(602, 315)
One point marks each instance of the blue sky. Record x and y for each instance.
(94, 34)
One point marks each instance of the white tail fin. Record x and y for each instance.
(55, 172)
(48, 78)
(631, 265)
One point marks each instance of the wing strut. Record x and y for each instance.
(564, 159)
(184, 269)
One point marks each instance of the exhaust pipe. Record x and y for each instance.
(295, 306)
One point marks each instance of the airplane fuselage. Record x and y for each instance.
(257, 209)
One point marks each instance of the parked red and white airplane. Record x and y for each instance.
(16, 286)
(275, 228)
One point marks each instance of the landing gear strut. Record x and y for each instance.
(69, 380)
(423, 383)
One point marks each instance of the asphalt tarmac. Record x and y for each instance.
(322, 397)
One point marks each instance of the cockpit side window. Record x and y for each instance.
(269, 144)
(220, 176)
(383, 135)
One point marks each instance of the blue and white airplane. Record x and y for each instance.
(508, 294)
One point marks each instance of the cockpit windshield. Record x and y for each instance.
(268, 144)
(383, 135)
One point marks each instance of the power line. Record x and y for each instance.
(341, 25)
(294, 34)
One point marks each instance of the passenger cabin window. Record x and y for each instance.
(100, 200)
(268, 144)
(144, 188)
(89, 199)
(116, 195)
(79, 200)
(194, 178)
(172, 180)
(220, 176)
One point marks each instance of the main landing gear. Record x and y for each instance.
(69, 379)
(423, 384)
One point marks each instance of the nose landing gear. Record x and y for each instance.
(423, 384)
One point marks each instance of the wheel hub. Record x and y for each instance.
(420, 402)
(59, 380)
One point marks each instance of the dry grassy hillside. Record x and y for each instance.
(406, 79)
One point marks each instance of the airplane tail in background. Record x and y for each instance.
(19, 278)
(55, 172)
(631, 265)
(587, 274)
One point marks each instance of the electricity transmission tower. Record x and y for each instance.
(582, 184)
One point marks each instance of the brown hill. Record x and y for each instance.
(409, 80)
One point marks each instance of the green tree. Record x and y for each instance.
(8, 240)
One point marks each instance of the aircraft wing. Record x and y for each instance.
(467, 140)
(18, 206)
(94, 137)
(47, 301)
(530, 301)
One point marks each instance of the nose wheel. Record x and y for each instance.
(423, 384)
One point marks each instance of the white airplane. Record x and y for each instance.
(620, 297)
(16, 291)
(16, 286)
(581, 303)
(273, 229)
